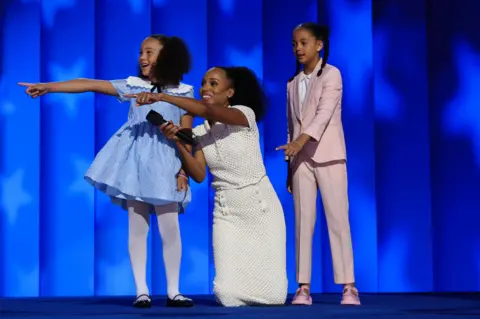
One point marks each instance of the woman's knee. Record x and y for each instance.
(227, 297)
(231, 298)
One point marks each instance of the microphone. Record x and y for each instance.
(185, 135)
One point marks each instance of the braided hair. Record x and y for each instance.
(321, 33)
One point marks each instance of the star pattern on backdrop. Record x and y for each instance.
(227, 6)
(26, 280)
(6, 106)
(137, 6)
(14, 196)
(354, 12)
(70, 102)
(50, 9)
(79, 186)
(387, 98)
(198, 263)
(122, 269)
(395, 249)
(251, 58)
(462, 112)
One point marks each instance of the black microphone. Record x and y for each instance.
(185, 135)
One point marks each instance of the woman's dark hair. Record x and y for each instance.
(321, 33)
(173, 61)
(248, 90)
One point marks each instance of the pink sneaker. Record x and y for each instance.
(350, 297)
(302, 297)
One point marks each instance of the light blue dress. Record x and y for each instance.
(138, 162)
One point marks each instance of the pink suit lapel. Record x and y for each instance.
(311, 86)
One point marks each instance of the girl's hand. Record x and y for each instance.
(182, 181)
(145, 97)
(35, 90)
(291, 149)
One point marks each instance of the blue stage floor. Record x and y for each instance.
(379, 306)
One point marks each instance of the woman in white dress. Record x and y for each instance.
(249, 237)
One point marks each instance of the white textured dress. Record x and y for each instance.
(249, 236)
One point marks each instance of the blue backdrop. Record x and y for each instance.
(411, 116)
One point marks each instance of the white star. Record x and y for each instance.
(226, 6)
(50, 8)
(354, 12)
(251, 59)
(59, 73)
(78, 185)
(387, 99)
(199, 267)
(6, 106)
(27, 282)
(14, 196)
(394, 250)
(110, 279)
(462, 113)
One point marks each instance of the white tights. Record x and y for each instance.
(138, 226)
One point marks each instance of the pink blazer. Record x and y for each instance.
(320, 116)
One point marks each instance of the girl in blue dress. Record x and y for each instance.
(138, 167)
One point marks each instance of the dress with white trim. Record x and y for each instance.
(138, 162)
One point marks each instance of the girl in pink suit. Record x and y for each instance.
(317, 159)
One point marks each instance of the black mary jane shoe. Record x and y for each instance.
(180, 301)
(143, 301)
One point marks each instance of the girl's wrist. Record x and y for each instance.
(299, 144)
(182, 175)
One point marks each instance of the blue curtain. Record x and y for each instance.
(411, 116)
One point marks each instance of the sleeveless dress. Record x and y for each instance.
(249, 236)
(138, 162)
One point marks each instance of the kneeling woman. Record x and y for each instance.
(249, 240)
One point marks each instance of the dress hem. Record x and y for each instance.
(120, 198)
